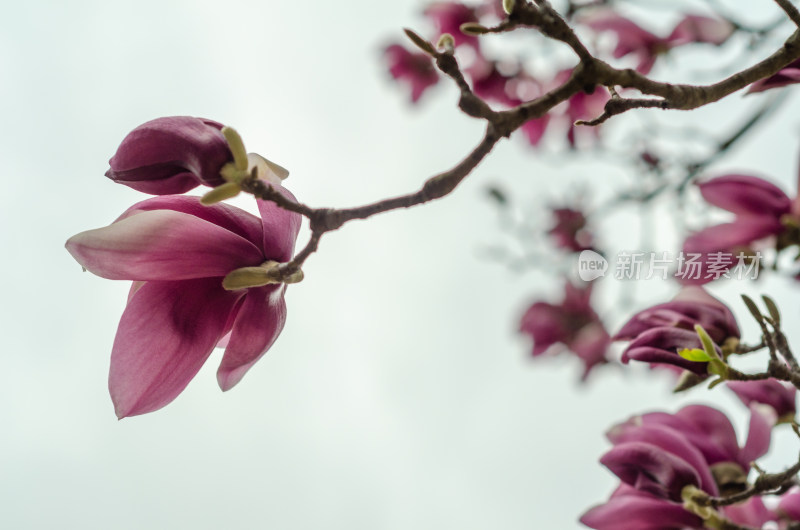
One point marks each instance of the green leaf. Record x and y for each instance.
(694, 354)
(708, 344)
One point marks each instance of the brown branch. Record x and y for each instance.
(790, 10)
(589, 73)
(765, 483)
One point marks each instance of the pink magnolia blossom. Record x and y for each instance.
(171, 155)
(657, 455)
(569, 230)
(761, 210)
(659, 332)
(414, 68)
(572, 325)
(645, 46)
(177, 252)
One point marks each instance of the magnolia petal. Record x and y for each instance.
(165, 335)
(781, 397)
(628, 509)
(162, 245)
(697, 28)
(751, 512)
(745, 194)
(739, 233)
(711, 432)
(257, 325)
(762, 419)
(280, 228)
(650, 469)
(228, 217)
(789, 505)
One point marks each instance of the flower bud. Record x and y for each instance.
(171, 155)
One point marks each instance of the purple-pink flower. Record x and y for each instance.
(658, 455)
(171, 155)
(414, 68)
(571, 325)
(569, 230)
(177, 252)
(633, 40)
(658, 333)
(761, 211)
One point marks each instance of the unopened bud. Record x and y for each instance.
(473, 28)
(421, 43)
(446, 43)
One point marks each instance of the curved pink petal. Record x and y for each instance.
(280, 228)
(710, 431)
(223, 215)
(628, 509)
(781, 397)
(165, 335)
(739, 233)
(258, 323)
(762, 419)
(789, 75)
(745, 194)
(752, 512)
(698, 28)
(162, 245)
(789, 506)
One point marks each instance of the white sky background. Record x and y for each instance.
(399, 395)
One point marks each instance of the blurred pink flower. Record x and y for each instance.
(448, 17)
(414, 68)
(645, 46)
(761, 210)
(782, 397)
(569, 230)
(571, 325)
(177, 252)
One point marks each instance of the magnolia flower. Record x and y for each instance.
(658, 456)
(569, 230)
(177, 252)
(171, 155)
(646, 46)
(414, 68)
(658, 333)
(572, 325)
(762, 211)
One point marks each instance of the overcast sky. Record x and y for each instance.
(399, 395)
